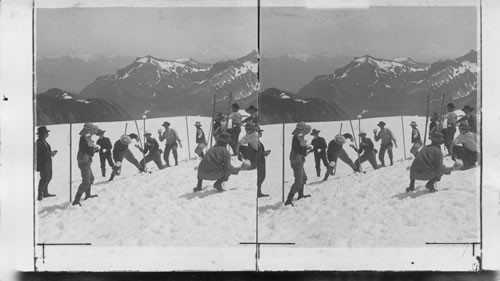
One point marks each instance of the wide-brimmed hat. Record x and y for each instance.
(315, 132)
(301, 127)
(235, 105)
(134, 136)
(464, 125)
(250, 126)
(340, 139)
(413, 123)
(251, 108)
(467, 108)
(89, 128)
(125, 139)
(42, 130)
(362, 133)
(147, 134)
(166, 123)
(381, 123)
(437, 137)
(197, 123)
(224, 138)
(100, 132)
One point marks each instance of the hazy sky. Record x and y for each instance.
(206, 34)
(211, 34)
(423, 33)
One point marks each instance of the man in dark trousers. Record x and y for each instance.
(387, 141)
(465, 147)
(151, 151)
(469, 118)
(171, 141)
(335, 151)
(428, 164)
(200, 140)
(451, 126)
(319, 147)
(253, 150)
(416, 140)
(44, 155)
(121, 151)
(235, 130)
(367, 152)
(216, 164)
(104, 151)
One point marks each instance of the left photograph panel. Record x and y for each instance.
(130, 105)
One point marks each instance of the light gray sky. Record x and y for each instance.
(205, 34)
(423, 33)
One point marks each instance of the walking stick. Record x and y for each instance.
(442, 113)
(404, 143)
(142, 147)
(356, 144)
(187, 132)
(427, 118)
(126, 124)
(335, 168)
(283, 166)
(70, 160)
(210, 133)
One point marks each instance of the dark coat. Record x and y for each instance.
(104, 143)
(151, 146)
(216, 164)
(366, 145)
(319, 143)
(43, 155)
(119, 150)
(428, 163)
(333, 149)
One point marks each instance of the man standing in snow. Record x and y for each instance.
(435, 125)
(216, 164)
(121, 151)
(171, 138)
(387, 139)
(366, 150)
(416, 140)
(105, 151)
(428, 164)
(451, 128)
(44, 155)
(335, 151)
(86, 150)
(200, 140)
(152, 152)
(298, 153)
(464, 147)
(253, 150)
(319, 147)
(218, 127)
(235, 130)
(469, 118)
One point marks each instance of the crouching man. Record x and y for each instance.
(216, 164)
(428, 164)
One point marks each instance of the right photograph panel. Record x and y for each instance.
(371, 117)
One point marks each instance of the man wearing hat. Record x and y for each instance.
(465, 147)
(200, 140)
(451, 128)
(335, 151)
(218, 127)
(44, 155)
(121, 151)
(366, 150)
(216, 164)
(428, 164)
(298, 154)
(387, 141)
(469, 118)
(151, 151)
(416, 140)
(171, 139)
(249, 147)
(235, 130)
(105, 151)
(254, 115)
(435, 125)
(86, 150)
(319, 147)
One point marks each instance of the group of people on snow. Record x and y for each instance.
(215, 164)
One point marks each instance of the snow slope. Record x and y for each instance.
(157, 209)
(366, 210)
(349, 210)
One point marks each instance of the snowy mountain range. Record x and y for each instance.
(169, 87)
(56, 106)
(383, 87)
